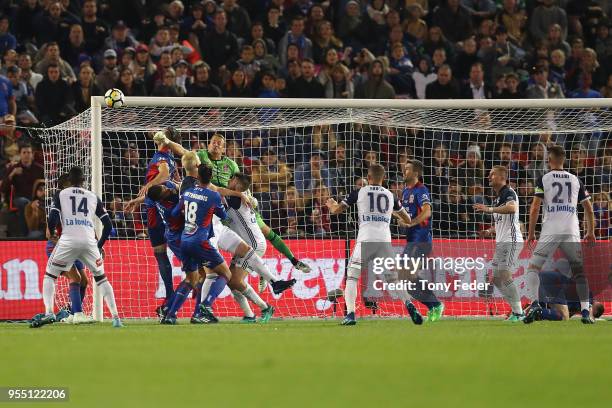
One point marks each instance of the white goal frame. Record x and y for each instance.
(97, 102)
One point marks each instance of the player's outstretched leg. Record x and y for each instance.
(247, 258)
(533, 287)
(108, 294)
(280, 245)
(223, 276)
(165, 271)
(350, 296)
(48, 300)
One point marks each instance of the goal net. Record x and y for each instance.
(299, 153)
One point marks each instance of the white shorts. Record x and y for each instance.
(547, 245)
(225, 239)
(355, 261)
(506, 256)
(66, 252)
(260, 249)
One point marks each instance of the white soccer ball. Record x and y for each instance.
(114, 98)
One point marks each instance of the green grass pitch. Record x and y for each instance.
(378, 363)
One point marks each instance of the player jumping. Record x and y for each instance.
(508, 238)
(74, 208)
(375, 206)
(560, 192)
(416, 200)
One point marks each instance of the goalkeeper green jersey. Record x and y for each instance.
(223, 169)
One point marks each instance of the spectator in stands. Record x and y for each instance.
(526, 193)
(18, 186)
(340, 86)
(238, 85)
(438, 174)
(435, 40)
(219, 47)
(555, 40)
(168, 85)
(75, 47)
(603, 42)
(24, 96)
(120, 38)
(108, 76)
(454, 20)
(257, 33)
(50, 25)
(271, 175)
(475, 88)
(350, 21)
(295, 36)
(504, 158)
(537, 165)
(330, 59)
(423, 76)
(289, 216)
(545, 15)
(52, 57)
(453, 222)
(580, 166)
(400, 71)
(133, 167)
(375, 86)
(274, 26)
(307, 85)
(308, 175)
(95, 30)
(34, 213)
(26, 19)
(238, 20)
(557, 69)
(444, 87)
(320, 217)
(201, 85)
(601, 208)
(266, 60)
(606, 91)
(471, 171)
(9, 146)
(7, 40)
(512, 90)
(324, 40)
(7, 98)
(248, 63)
(413, 24)
(584, 90)
(31, 77)
(541, 88)
(130, 85)
(506, 56)
(589, 65)
(268, 86)
(339, 172)
(54, 98)
(85, 88)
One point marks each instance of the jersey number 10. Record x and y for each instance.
(381, 200)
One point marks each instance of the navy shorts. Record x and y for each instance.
(196, 253)
(49, 248)
(418, 249)
(173, 240)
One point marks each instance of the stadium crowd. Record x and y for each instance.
(56, 54)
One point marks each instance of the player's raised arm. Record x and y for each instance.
(106, 222)
(131, 205)
(162, 175)
(339, 207)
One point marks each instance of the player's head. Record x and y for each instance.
(190, 161)
(413, 171)
(173, 134)
(63, 182)
(240, 182)
(556, 156)
(216, 144)
(376, 174)
(158, 192)
(498, 176)
(76, 176)
(597, 309)
(204, 174)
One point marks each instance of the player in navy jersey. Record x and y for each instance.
(161, 168)
(199, 204)
(417, 202)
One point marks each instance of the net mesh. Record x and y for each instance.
(300, 157)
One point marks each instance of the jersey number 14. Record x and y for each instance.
(82, 206)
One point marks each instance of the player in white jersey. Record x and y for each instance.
(75, 208)
(375, 207)
(508, 238)
(560, 192)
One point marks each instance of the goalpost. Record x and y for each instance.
(294, 148)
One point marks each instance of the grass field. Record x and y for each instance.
(315, 363)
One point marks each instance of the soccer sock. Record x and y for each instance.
(582, 289)
(48, 293)
(106, 291)
(252, 261)
(74, 291)
(243, 303)
(210, 278)
(250, 294)
(510, 293)
(278, 243)
(165, 271)
(197, 296)
(215, 290)
(83, 292)
(532, 280)
(550, 314)
(180, 295)
(350, 294)
(425, 296)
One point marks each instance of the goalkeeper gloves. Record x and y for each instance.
(161, 139)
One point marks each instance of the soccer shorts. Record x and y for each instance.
(225, 239)
(67, 252)
(173, 239)
(155, 227)
(356, 261)
(196, 253)
(548, 244)
(506, 256)
(418, 249)
(49, 248)
(259, 248)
